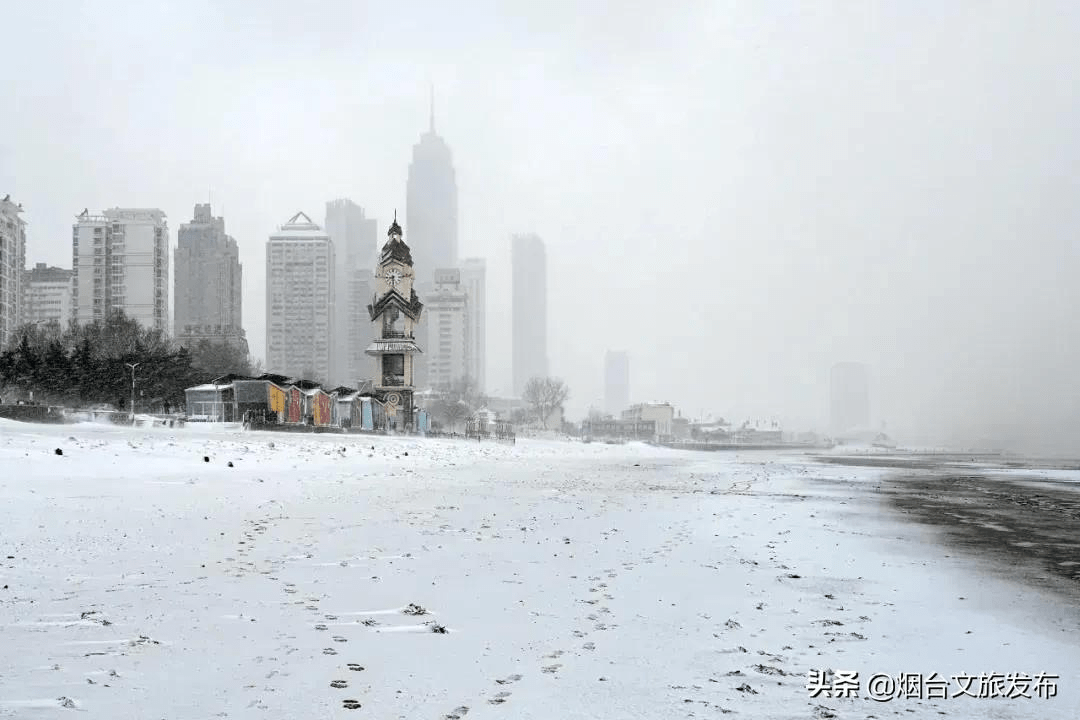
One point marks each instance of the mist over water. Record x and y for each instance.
(739, 195)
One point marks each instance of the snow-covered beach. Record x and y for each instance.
(142, 576)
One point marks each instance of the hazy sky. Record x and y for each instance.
(739, 194)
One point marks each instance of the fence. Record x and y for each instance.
(499, 431)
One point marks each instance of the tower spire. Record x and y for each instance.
(431, 118)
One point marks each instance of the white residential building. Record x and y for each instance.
(12, 262)
(448, 332)
(300, 301)
(47, 295)
(121, 262)
(473, 280)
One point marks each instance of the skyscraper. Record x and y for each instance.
(449, 333)
(121, 263)
(616, 382)
(473, 281)
(355, 239)
(432, 205)
(47, 296)
(299, 300)
(208, 282)
(431, 215)
(12, 263)
(529, 313)
(849, 395)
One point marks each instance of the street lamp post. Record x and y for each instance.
(133, 366)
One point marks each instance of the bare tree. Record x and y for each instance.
(451, 411)
(544, 395)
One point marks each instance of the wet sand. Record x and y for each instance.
(1019, 517)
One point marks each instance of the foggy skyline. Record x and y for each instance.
(740, 195)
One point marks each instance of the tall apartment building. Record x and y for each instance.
(616, 382)
(355, 239)
(849, 397)
(529, 313)
(121, 262)
(474, 281)
(208, 283)
(300, 301)
(47, 295)
(12, 263)
(448, 332)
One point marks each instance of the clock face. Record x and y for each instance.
(393, 276)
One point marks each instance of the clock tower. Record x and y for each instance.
(395, 310)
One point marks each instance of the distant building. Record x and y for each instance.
(208, 283)
(432, 205)
(660, 413)
(47, 295)
(849, 397)
(529, 312)
(473, 280)
(616, 381)
(299, 300)
(12, 263)
(121, 263)
(448, 332)
(432, 218)
(355, 238)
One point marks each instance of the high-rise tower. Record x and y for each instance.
(431, 213)
(356, 246)
(208, 282)
(432, 218)
(616, 382)
(474, 280)
(529, 277)
(12, 263)
(300, 300)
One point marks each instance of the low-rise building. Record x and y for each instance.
(661, 413)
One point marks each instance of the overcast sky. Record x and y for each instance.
(739, 194)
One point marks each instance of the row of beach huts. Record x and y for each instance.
(276, 401)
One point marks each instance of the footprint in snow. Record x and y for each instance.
(355, 667)
(329, 651)
(457, 713)
(351, 704)
(551, 669)
(499, 698)
(509, 679)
